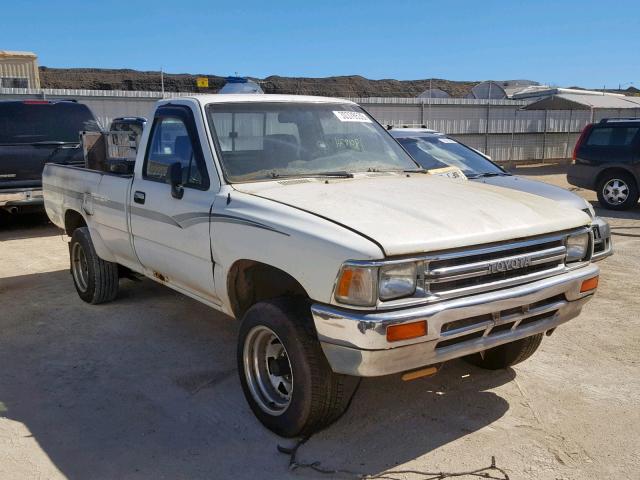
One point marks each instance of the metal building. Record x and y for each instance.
(434, 93)
(19, 70)
(491, 89)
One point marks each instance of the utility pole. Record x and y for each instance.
(430, 94)
(162, 81)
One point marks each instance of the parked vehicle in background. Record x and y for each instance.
(32, 134)
(303, 218)
(135, 125)
(606, 159)
(434, 150)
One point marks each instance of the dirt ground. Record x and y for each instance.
(146, 387)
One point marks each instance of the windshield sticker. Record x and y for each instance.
(446, 140)
(348, 116)
(348, 144)
(449, 172)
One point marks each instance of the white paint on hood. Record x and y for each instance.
(423, 213)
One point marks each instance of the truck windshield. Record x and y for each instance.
(438, 151)
(259, 140)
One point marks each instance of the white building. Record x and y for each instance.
(19, 70)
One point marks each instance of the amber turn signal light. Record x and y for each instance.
(590, 284)
(406, 331)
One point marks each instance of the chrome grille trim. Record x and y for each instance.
(496, 285)
(470, 270)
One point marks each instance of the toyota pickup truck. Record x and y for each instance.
(305, 220)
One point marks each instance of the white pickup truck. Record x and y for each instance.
(304, 219)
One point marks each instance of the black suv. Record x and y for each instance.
(32, 133)
(607, 159)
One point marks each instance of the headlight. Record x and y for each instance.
(397, 281)
(577, 247)
(362, 286)
(357, 286)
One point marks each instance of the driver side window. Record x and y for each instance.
(170, 143)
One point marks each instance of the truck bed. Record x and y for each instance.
(100, 196)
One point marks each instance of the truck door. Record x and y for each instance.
(171, 234)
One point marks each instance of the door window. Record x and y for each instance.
(171, 143)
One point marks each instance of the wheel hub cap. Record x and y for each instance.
(615, 191)
(79, 267)
(267, 370)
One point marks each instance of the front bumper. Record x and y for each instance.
(602, 242)
(20, 197)
(355, 342)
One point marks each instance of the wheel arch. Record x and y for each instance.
(251, 281)
(605, 172)
(74, 220)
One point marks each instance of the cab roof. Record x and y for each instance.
(262, 98)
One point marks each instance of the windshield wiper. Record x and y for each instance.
(53, 143)
(340, 174)
(487, 174)
(416, 170)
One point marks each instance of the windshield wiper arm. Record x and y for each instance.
(53, 143)
(340, 174)
(487, 174)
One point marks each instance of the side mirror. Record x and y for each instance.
(175, 179)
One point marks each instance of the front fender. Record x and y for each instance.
(307, 247)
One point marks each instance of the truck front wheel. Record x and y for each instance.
(284, 374)
(506, 355)
(96, 280)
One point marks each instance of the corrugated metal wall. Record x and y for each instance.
(500, 128)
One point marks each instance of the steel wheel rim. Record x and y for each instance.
(267, 370)
(615, 191)
(79, 267)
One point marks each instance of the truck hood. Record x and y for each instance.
(422, 213)
(535, 187)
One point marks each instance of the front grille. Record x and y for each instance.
(492, 277)
(491, 267)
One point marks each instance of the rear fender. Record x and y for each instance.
(98, 243)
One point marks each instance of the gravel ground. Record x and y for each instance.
(146, 387)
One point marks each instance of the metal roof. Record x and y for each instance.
(10, 54)
(573, 101)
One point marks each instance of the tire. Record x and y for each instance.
(277, 336)
(507, 355)
(96, 280)
(617, 191)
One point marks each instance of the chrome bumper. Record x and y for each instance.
(355, 343)
(21, 197)
(603, 244)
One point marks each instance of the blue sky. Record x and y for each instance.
(587, 43)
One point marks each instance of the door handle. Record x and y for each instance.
(139, 197)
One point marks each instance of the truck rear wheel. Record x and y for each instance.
(285, 376)
(96, 280)
(504, 356)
